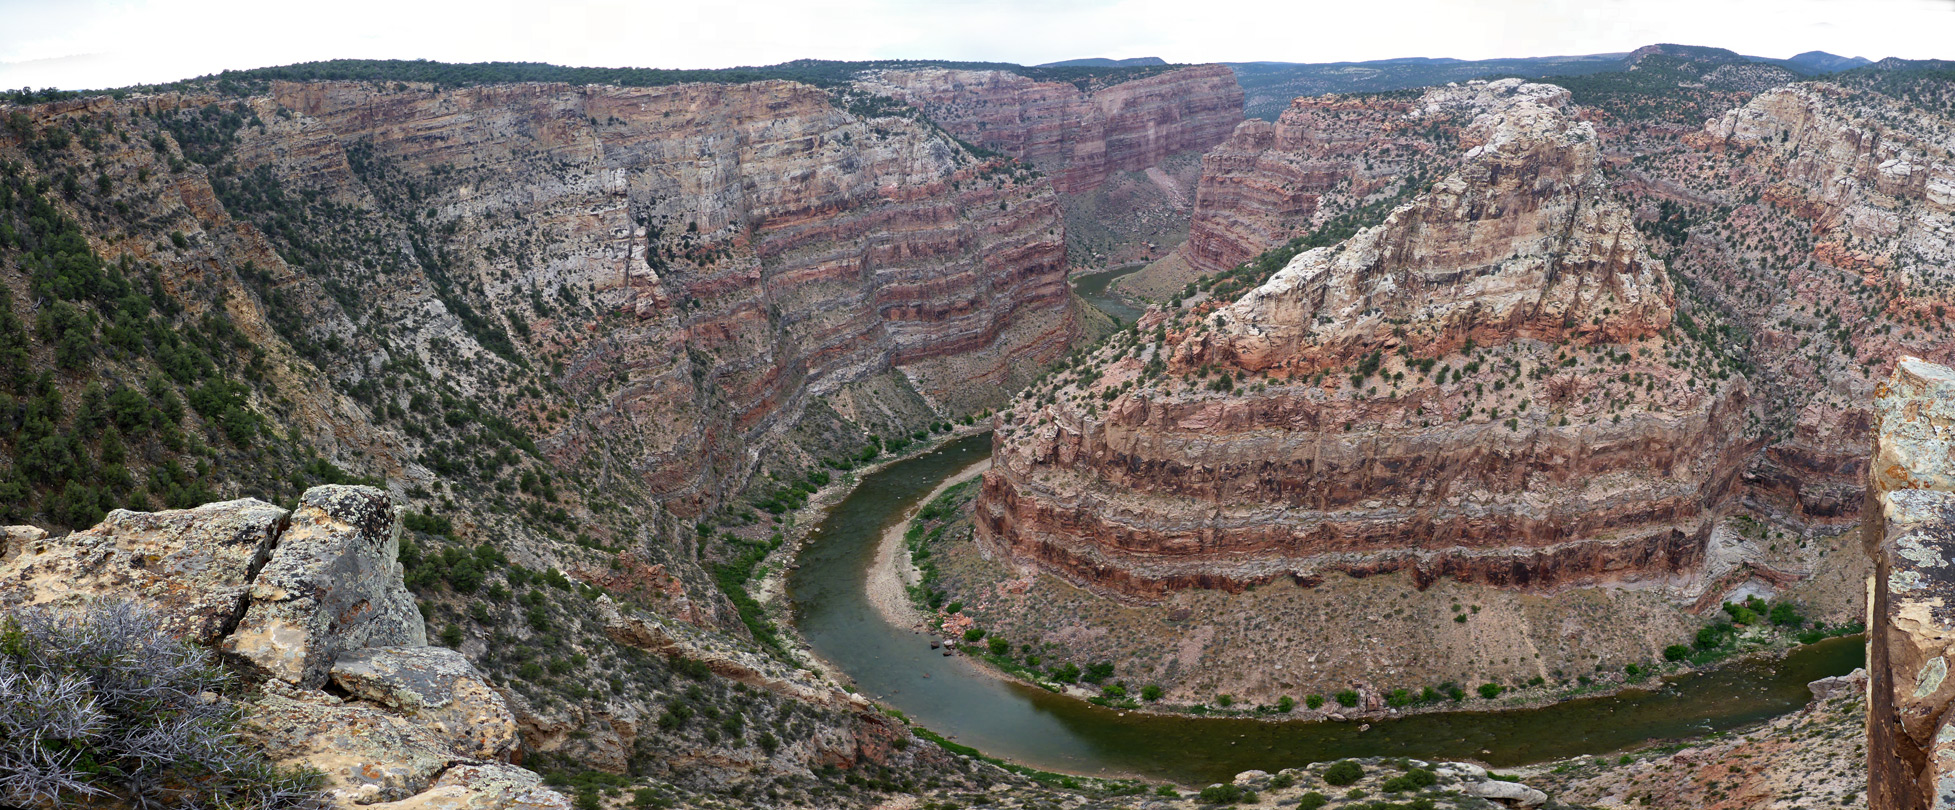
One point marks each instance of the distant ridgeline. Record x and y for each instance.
(817, 72)
(1269, 86)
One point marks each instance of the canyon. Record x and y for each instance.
(1507, 382)
(1517, 271)
(571, 328)
(1079, 135)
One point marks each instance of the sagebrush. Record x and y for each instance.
(101, 703)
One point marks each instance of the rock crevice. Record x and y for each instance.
(295, 600)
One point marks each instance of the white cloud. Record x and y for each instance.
(102, 43)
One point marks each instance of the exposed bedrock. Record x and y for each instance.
(770, 247)
(1909, 531)
(1077, 136)
(1552, 445)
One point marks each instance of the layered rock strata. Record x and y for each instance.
(1554, 445)
(766, 247)
(1077, 136)
(1909, 532)
(1841, 236)
(1270, 180)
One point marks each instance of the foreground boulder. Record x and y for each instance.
(1910, 534)
(192, 566)
(335, 584)
(297, 599)
(436, 687)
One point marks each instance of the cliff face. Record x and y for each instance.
(1909, 533)
(573, 330)
(1562, 439)
(1076, 136)
(745, 248)
(1269, 181)
(1819, 217)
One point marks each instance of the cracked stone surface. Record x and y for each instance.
(333, 584)
(192, 566)
(1911, 535)
(436, 687)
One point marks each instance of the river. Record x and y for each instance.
(1097, 289)
(1033, 727)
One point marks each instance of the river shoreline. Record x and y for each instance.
(892, 572)
(1005, 718)
(771, 590)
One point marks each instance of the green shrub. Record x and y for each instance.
(1150, 692)
(1491, 690)
(1285, 704)
(1224, 794)
(1312, 800)
(1314, 701)
(1347, 698)
(1345, 772)
(1676, 652)
(974, 634)
(1411, 780)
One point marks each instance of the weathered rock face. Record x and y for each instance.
(1910, 533)
(1270, 182)
(333, 585)
(1521, 242)
(438, 688)
(1555, 444)
(1835, 255)
(316, 590)
(765, 248)
(1077, 137)
(194, 567)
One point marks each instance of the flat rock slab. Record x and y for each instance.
(333, 584)
(483, 787)
(193, 566)
(367, 754)
(437, 688)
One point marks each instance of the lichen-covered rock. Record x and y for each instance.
(1915, 425)
(333, 584)
(15, 538)
(436, 687)
(483, 787)
(193, 566)
(1910, 533)
(367, 754)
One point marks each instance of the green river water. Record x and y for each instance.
(1030, 726)
(1097, 289)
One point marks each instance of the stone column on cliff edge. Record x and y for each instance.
(1908, 527)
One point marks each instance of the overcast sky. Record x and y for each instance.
(111, 43)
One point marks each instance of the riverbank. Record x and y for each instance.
(893, 573)
(1094, 651)
(800, 526)
(1013, 722)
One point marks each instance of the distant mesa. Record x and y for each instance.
(1100, 61)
